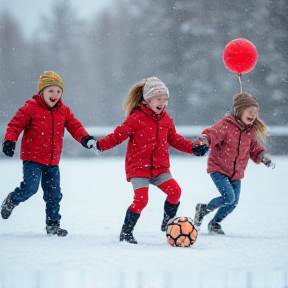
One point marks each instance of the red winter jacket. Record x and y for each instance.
(150, 136)
(231, 147)
(43, 127)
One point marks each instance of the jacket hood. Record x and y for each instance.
(147, 111)
(231, 119)
(40, 101)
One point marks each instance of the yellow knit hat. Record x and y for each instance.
(49, 78)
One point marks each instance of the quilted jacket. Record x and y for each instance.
(43, 128)
(231, 147)
(150, 136)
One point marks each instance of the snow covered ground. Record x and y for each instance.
(253, 253)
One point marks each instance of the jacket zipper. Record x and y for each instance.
(151, 157)
(238, 148)
(52, 144)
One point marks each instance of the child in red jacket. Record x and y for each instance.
(233, 140)
(43, 120)
(150, 131)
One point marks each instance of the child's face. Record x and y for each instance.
(249, 115)
(51, 95)
(158, 103)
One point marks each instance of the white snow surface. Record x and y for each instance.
(253, 253)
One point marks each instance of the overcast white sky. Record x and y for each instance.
(28, 13)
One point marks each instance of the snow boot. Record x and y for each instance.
(130, 221)
(201, 211)
(215, 228)
(7, 207)
(170, 211)
(54, 229)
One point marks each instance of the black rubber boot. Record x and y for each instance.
(170, 211)
(201, 211)
(7, 207)
(130, 221)
(54, 229)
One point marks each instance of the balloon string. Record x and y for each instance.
(239, 78)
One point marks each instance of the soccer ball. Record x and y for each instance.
(181, 232)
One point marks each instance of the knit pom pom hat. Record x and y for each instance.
(49, 78)
(152, 86)
(242, 101)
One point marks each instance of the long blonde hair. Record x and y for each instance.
(260, 128)
(134, 98)
(261, 131)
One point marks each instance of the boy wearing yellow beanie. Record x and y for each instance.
(43, 120)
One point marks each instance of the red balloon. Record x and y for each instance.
(240, 56)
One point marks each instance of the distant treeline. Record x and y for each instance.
(181, 42)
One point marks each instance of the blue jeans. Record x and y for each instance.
(230, 193)
(50, 182)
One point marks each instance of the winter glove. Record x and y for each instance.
(201, 146)
(9, 148)
(89, 142)
(200, 150)
(266, 160)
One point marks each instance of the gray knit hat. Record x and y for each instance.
(153, 86)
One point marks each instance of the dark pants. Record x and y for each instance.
(50, 182)
(230, 193)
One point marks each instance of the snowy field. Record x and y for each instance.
(253, 253)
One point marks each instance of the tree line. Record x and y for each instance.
(181, 42)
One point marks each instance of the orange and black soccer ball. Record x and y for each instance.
(181, 232)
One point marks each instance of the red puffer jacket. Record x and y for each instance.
(149, 138)
(231, 147)
(43, 127)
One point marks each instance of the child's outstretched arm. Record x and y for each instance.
(119, 135)
(266, 160)
(184, 145)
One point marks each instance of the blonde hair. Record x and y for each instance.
(241, 102)
(261, 131)
(134, 98)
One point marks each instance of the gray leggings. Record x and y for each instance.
(144, 182)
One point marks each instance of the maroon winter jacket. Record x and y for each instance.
(150, 136)
(231, 147)
(43, 127)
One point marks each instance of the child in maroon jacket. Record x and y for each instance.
(233, 140)
(150, 131)
(43, 120)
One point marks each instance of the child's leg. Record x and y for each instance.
(225, 188)
(233, 201)
(52, 193)
(28, 187)
(172, 189)
(140, 186)
(169, 186)
(32, 172)
(228, 197)
(140, 200)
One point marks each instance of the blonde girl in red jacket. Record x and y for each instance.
(151, 131)
(233, 140)
(43, 120)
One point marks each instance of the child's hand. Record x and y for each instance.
(266, 160)
(89, 142)
(200, 150)
(9, 148)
